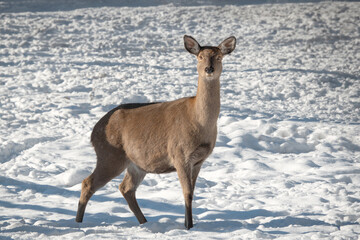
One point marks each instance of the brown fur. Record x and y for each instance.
(160, 137)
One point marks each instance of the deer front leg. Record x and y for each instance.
(185, 176)
(195, 173)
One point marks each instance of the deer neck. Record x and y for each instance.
(207, 101)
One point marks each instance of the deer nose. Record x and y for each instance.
(209, 70)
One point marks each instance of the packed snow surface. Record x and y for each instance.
(287, 159)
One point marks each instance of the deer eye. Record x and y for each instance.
(201, 57)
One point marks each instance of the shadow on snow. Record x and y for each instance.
(214, 220)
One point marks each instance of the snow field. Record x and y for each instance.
(286, 164)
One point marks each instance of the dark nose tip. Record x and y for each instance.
(209, 70)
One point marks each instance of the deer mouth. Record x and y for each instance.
(209, 74)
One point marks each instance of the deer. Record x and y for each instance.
(160, 137)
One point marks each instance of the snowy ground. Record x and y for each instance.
(287, 161)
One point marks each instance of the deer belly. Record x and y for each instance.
(155, 165)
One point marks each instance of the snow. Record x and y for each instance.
(287, 159)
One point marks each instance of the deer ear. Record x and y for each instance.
(191, 45)
(228, 45)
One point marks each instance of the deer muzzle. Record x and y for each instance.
(209, 70)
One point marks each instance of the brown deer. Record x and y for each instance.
(160, 137)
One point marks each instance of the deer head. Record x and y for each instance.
(209, 58)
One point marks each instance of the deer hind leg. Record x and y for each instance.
(131, 181)
(103, 173)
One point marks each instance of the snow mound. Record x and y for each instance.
(71, 177)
